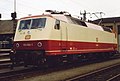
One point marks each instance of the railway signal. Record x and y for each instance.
(14, 15)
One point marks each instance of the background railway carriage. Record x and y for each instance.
(59, 37)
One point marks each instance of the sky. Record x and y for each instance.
(110, 8)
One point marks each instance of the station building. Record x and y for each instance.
(6, 34)
(113, 23)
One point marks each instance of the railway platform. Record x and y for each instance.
(5, 50)
(4, 58)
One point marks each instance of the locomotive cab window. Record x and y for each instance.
(57, 25)
(25, 24)
(32, 23)
(38, 23)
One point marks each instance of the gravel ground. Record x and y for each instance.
(62, 75)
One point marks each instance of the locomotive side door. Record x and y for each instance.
(61, 26)
(64, 37)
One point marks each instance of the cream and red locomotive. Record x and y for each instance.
(59, 37)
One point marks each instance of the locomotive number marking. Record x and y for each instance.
(27, 44)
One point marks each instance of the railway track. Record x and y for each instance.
(11, 75)
(111, 73)
(21, 73)
(114, 78)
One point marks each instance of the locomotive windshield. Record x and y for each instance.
(32, 23)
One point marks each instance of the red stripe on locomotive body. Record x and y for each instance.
(55, 47)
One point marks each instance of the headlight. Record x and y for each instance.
(39, 44)
(17, 45)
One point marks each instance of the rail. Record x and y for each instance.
(88, 76)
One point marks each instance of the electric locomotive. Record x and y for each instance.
(53, 38)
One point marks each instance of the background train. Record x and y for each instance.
(59, 37)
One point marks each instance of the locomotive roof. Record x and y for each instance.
(72, 20)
